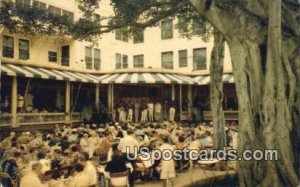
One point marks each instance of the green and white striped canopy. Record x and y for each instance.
(44, 73)
(115, 78)
(204, 80)
(145, 78)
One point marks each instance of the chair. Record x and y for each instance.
(6, 179)
(119, 179)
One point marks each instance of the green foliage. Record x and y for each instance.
(132, 14)
(87, 113)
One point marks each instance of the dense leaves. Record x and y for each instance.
(132, 14)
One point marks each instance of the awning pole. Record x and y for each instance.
(112, 98)
(173, 92)
(190, 103)
(14, 95)
(76, 98)
(109, 98)
(180, 101)
(25, 95)
(97, 95)
(68, 101)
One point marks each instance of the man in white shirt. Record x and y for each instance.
(158, 110)
(129, 145)
(89, 170)
(136, 111)
(150, 110)
(32, 178)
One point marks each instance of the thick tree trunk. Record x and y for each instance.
(216, 90)
(267, 88)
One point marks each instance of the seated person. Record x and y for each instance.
(80, 179)
(118, 161)
(89, 169)
(10, 167)
(32, 179)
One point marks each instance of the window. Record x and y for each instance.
(69, 15)
(8, 47)
(97, 59)
(122, 34)
(167, 60)
(138, 36)
(138, 61)
(88, 58)
(125, 61)
(23, 49)
(121, 61)
(54, 11)
(199, 59)
(23, 3)
(52, 56)
(167, 29)
(39, 5)
(182, 55)
(118, 61)
(182, 24)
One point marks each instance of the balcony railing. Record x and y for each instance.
(229, 115)
(76, 117)
(38, 118)
(5, 119)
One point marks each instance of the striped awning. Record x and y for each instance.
(44, 73)
(204, 80)
(145, 78)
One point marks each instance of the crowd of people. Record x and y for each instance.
(85, 155)
(149, 111)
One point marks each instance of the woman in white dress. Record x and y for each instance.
(167, 165)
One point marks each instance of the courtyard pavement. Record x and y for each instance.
(190, 177)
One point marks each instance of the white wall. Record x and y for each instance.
(151, 48)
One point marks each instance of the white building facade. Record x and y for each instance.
(159, 52)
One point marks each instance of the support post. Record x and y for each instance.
(190, 97)
(173, 92)
(14, 99)
(180, 101)
(112, 98)
(97, 95)
(109, 98)
(68, 102)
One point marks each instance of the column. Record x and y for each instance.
(14, 99)
(97, 95)
(112, 97)
(190, 97)
(68, 102)
(109, 102)
(180, 101)
(173, 92)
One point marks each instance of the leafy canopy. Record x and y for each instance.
(131, 14)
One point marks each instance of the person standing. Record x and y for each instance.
(150, 107)
(167, 166)
(172, 112)
(130, 113)
(157, 108)
(136, 111)
(144, 114)
(121, 114)
(20, 102)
